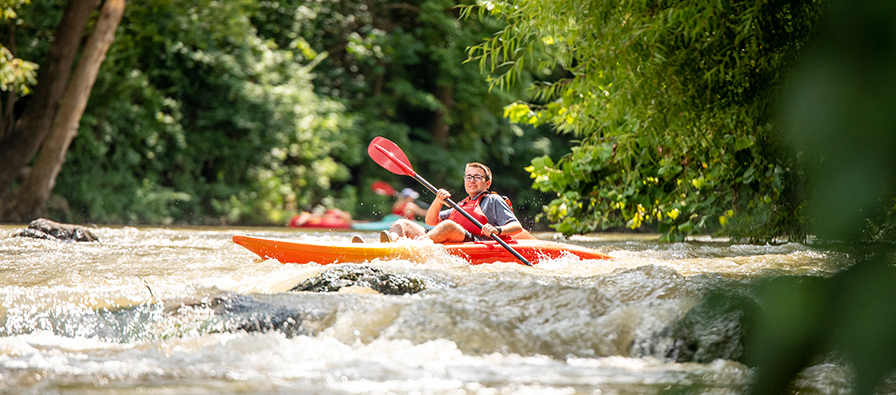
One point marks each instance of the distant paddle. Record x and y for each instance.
(383, 188)
(390, 157)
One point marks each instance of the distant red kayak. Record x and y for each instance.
(292, 251)
(325, 221)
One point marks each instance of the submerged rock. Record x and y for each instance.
(42, 228)
(714, 329)
(293, 314)
(364, 276)
(282, 313)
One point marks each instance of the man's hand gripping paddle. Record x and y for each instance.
(389, 156)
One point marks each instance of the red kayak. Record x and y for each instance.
(292, 251)
(331, 219)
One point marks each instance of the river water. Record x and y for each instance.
(185, 310)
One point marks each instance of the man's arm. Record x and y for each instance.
(500, 215)
(432, 213)
(511, 228)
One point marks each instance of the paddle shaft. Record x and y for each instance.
(409, 171)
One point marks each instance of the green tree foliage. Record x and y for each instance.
(672, 102)
(197, 119)
(16, 75)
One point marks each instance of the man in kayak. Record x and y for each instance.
(451, 227)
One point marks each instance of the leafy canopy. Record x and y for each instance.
(671, 102)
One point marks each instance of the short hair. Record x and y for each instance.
(488, 172)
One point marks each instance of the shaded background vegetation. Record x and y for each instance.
(247, 112)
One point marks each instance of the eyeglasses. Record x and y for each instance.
(476, 177)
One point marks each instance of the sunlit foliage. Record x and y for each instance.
(672, 104)
(16, 74)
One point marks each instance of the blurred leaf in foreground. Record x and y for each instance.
(838, 114)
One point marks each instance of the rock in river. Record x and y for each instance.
(42, 228)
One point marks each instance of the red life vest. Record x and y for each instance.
(399, 210)
(471, 206)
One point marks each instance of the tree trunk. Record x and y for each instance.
(17, 148)
(439, 128)
(31, 197)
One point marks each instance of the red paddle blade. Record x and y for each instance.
(382, 188)
(389, 156)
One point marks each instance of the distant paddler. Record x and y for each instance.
(406, 205)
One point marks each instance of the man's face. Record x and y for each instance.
(474, 181)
